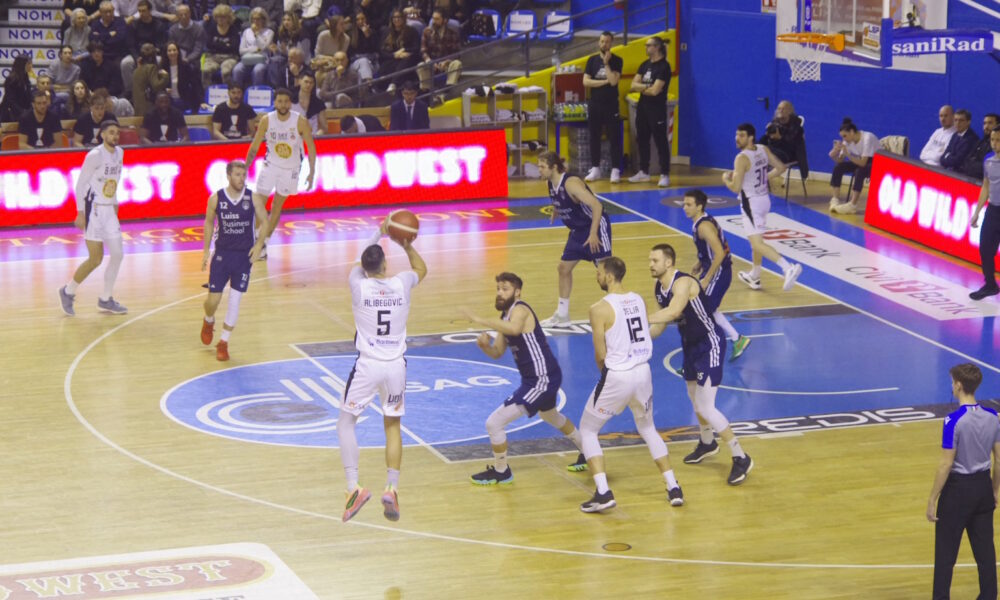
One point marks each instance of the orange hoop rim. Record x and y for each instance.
(834, 40)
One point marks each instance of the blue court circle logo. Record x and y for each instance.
(296, 402)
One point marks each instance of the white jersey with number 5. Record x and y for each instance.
(284, 144)
(628, 340)
(381, 307)
(755, 179)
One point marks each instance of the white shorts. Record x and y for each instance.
(284, 182)
(618, 389)
(102, 224)
(387, 378)
(755, 211)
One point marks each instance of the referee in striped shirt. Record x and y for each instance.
(964, 496)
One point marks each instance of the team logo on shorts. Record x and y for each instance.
(283, 150)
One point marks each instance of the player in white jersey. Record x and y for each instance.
(284, 131)
(97, 216)
(752, 171)
(623, 346)
(381, 306)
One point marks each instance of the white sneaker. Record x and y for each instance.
(593, 175)
(753, 284)
(639, 177)
(847, 208)
(555, 320)
(791, 275)
(616, 175)
(664, 181)
(834, 203)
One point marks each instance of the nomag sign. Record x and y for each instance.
(175, 181)
(924, 205)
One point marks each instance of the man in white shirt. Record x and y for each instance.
(935, 147)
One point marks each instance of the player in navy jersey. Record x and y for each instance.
(714, 268)
(541, 377)
(589, 227)
(236, 247)
(682, 300)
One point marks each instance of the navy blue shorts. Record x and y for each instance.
(232, 267)
(703, 362)
(717, 287)
(576, 244)
(536, 394)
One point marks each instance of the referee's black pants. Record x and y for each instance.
(966, 504)
(989, 241)
(605, 119)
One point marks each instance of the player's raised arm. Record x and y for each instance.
(258, 138)
(673, 311)
(209, 228)
(416, 261)
(517, 324)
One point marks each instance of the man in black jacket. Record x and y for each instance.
(360, 124)
(785, 137)
(973, 165)
(962, 142)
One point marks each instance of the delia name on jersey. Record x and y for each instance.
(628, 310)
(377, 302)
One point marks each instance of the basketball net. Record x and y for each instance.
(806, 67)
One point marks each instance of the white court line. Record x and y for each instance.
(67, 391)
(835, 300)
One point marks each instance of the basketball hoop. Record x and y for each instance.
(806, 63)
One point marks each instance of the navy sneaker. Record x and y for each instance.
(491, 477)
(599, 502)
(676, 496)
(701, 452)
(983, 292)
(741, 469)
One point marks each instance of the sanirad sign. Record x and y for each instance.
(924, 205)
(175, 181)
(926, 42)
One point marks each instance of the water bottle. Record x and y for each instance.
(555, 60)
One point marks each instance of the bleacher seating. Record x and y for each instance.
(520, 22)
(558, 27)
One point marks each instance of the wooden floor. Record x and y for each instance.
(91, 466)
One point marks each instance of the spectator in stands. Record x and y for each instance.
(44, 84)
(340, 86)
(222, 46)
(377, 12)
(119, 107)
(309, 105)
(143, 30)
(651, 81)
(962, 142)
(77, 36)
(308, 13)
(111, 32)
(273, 8)
(163, 123)
(149, 80)
(330, 41)
(38, 127)
(400, 50)
(87, 129)
(99, 72)
(935, 146)
(233, 119)
(288, 36)
(364, 48)
(166, 10)
(437, 42)
(973, 165)
(409, 113)
(70, 8)
(17, 90)
(189, 36)
(601, 75)
(184, 83)
(852, 155)
(127, 9)
(64, 72)
(413, 19)
(789, 138)
(79, 99)
(286, 74)
(360, 124)
(252, 68)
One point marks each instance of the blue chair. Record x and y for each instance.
(520, 22)
(215, 94)
(259, 97)
(558, 27)
(495, 16)
(199, 134)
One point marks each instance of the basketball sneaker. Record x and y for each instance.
(356, 498)
(555, 320)
(701, 452)
(791, 275)
(593, 175)
(639, 177)
(390, 501)
(222, 351)
(491, 477)
(834, 203)
(206, 332)
(745, 277)
(616, 175)
(111, 305)
(741, 468)
(599, 502)
(579, 465)
(983, 292)
(66, 301)
(664, 181)
(676, 496)
(739, 347)
(847, 208)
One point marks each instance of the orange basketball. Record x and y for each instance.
(403, 225)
